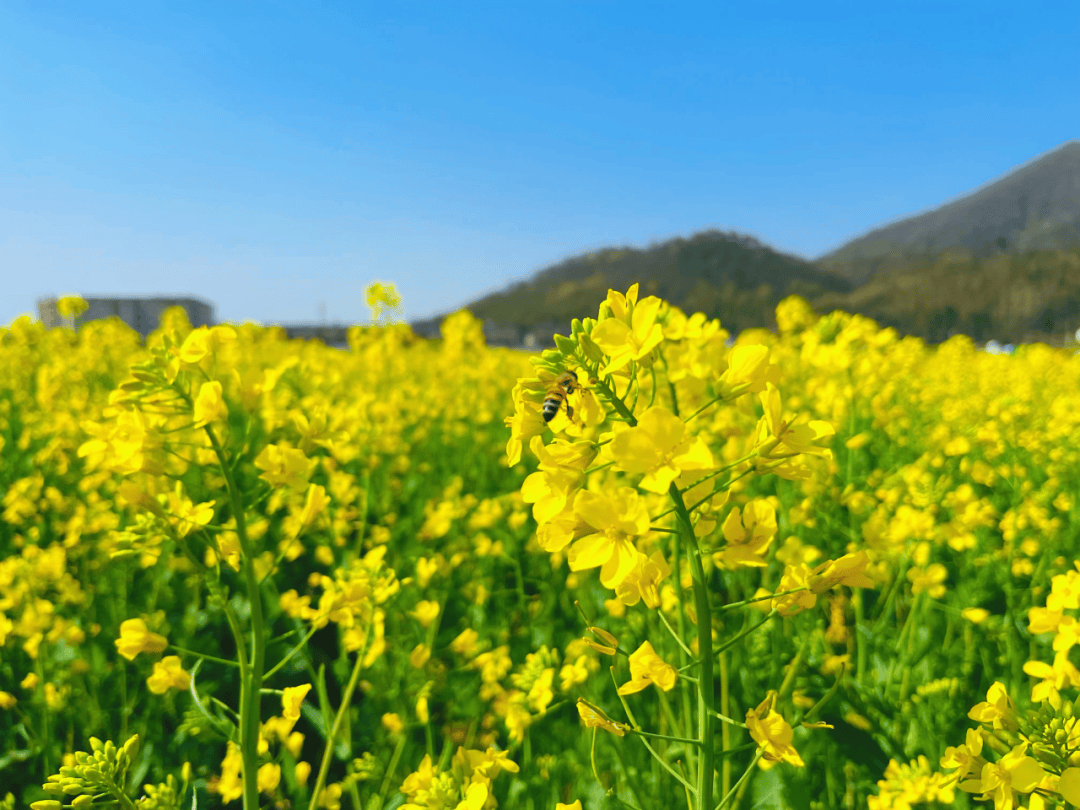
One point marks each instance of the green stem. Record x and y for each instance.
(289, 655)
(346, 701)
(706, 680)
(252, 674)
(204, 656)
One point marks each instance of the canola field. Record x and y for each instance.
(824, 568)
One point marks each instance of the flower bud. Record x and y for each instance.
(85, 800)
(566, 345)
(46, 804)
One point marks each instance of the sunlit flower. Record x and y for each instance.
(646, 667)
(135, 638)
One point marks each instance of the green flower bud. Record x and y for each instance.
(553, 356)
(592, 351)
(575, 327)
(567, 346)
(46, 804)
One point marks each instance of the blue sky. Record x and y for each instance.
(275, 158)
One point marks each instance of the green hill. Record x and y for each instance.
(725, 275)
(1002, 262)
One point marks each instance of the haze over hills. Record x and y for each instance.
(1002, 262)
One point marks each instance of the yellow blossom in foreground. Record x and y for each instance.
(575, 806)
(617, 518)
(661, 448)
(136, 638)
(966, 757)
(1002, 780)
(291, 700)
(630, 336)
(748, 532)
(210, 404)
(643, 581)
(998, 710)
(772, 733)
(168, 674)
(646, 667)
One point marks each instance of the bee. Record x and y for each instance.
(561, 387)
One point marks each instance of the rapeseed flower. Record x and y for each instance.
(135, 638)
(168, 674)
(646, 667)
(616, 519)
(772, 733)
(661, 448)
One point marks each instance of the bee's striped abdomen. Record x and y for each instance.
(561, 388)
(552, 402)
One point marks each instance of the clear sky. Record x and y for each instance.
(275, 158)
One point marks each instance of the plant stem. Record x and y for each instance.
(706, 689)
(331, 737)
(251, 673)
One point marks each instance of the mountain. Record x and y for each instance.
(1034, 207)
(725, 275)
(1002, 263)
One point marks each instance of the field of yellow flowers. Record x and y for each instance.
(825, 568)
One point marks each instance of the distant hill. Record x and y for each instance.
(725, 275)
(1002, 263)
(1034, 207)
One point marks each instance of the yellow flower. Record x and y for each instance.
(1054, 678)
(966, 757)
(7, 701)
(660, 447)
(643, 581)
(929, 579)
(422, 713)
(465, 643)
(30, 681)
(1002, 780)
(975, 615)
(136, 638)
(392, 723)
(848, 570)
(628, 336)
(315, 503)
(748, 370)
(229, 786)
(303, 771)
(748, 532)
(419, 656)
(209, 404)
(772, 733)
(71, 306)
(168, 674)
(594, 717)
(779, 442)
(646, 667)
(1069, 786)
(284, 466)
(575, 806)
(425, 612)
(291, 700)
(617, 518)
(998, 710)
(572, 675)
(268, 777)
